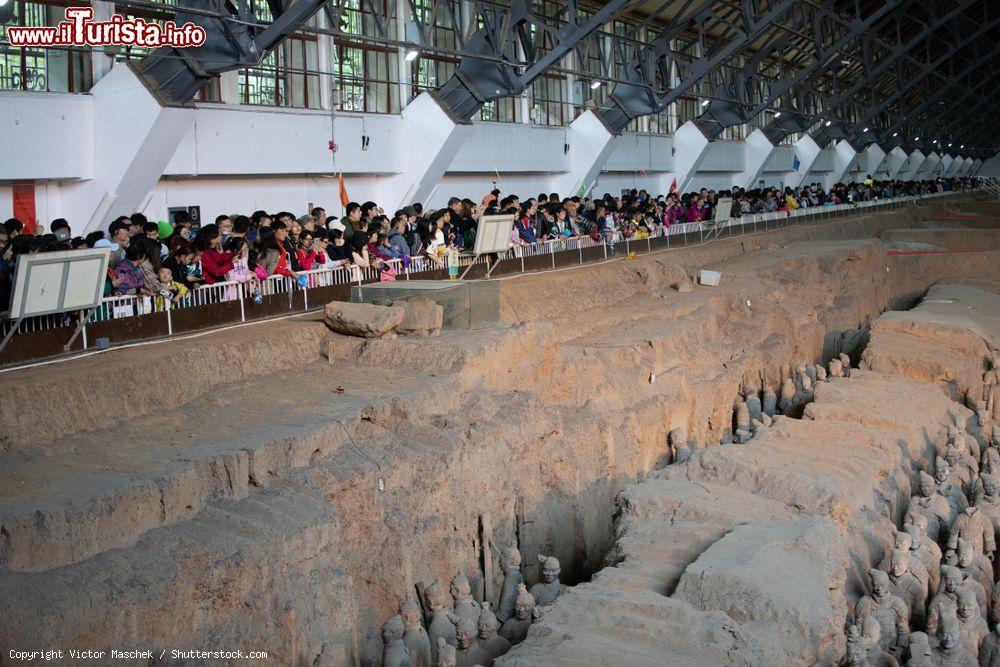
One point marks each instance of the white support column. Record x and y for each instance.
(690, 146)
(876, 161)
(590, 146)
(806, 150)
(134, 140)
(325, 64)
(843, 158)
(229, 87)
(895, 161)
(100, 61)
(929, 168)
(966, 166)
(976, 166)
(431, 140)
(757, 149)
(912, 166)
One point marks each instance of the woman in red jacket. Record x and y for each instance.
(215, 263)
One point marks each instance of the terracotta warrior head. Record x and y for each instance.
(916, 526)
(950, 632)
(435, 597)
(465, 630)
(968, 606)
(951, 455)
(966, 553)
(410, 612)
(836, 367)
(899, 562)
(511, 557)
(992, 463)
(928, 485)
(677, 437)
(951, 579)
(989, 484)
(460, 588)
(902, 541)
(488, 622)
(880, 583)
(550, 568)
(446, 653)
(393, 629)
(942, 471)
(524, 603)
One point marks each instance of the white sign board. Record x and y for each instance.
(723, 208)
(57, 282)
(493, 234)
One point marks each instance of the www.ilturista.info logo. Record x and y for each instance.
(79, 30)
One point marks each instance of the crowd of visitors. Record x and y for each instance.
(168, 261)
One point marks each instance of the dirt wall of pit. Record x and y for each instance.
(538, 424)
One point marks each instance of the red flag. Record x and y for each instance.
(673, 187)
(343, 190)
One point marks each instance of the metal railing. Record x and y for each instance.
(663, 238)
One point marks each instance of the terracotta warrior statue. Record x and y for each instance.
(742, 416)
(787, 395)
(820, 373)
(511, 578)
(971, 623)
(976, 527)
(903, 541)
(394, 652)
(989, 499)
(964, 469)
(951, 650)
(991, 380)
(445, 653)
(932, 506)
(440, 626)
(418, 643)
(989, 649)
(679, 445)
(906, 586)
(465, 605)
(465, 635)
(924, 549)
(920, 651)
(754, 406)
(835, 368)
(891, 612)
(770, 403)
(548, 589)
(951, 491)
(845, 362)
(945, 600)
(487, 645)
(516, 628)
(863, 647)
(977, 571)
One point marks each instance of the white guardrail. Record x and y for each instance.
(123, 307)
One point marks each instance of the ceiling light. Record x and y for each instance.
(866, 129)
(949, 145)
(962, 146)
(595, 85)
(917, 139)
(777, 113)
(704, 103)
(411, 55)
(829, 123)
(845, 62)
(895, 134)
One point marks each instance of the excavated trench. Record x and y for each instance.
(275, 531)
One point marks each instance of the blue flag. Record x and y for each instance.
(796, 163)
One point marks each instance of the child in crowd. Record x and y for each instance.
(241, 272)
(169, 291)
(129, 278)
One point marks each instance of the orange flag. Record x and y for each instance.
(343, 190)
